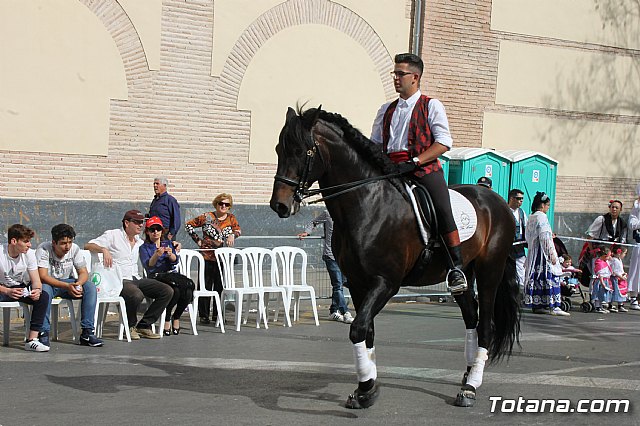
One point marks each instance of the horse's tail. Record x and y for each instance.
(506, 314)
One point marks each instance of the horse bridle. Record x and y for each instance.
(302, 190)
(302, 186)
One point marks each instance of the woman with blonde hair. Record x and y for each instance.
(219, 228)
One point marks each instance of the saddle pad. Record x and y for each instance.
(464, 214)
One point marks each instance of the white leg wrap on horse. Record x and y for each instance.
(365, 367)
(372, 357)
(471, 346)
(475, 375)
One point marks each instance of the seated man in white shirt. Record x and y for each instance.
(120, 247)
(19, 281)
(57, 260)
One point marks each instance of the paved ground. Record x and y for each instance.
(302, 375)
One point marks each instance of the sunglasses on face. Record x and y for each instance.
(155, 229)
(519, 198)
(137, 221)
(221, 204)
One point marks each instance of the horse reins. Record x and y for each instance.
(302, 190)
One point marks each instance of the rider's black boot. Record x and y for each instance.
(456, 280)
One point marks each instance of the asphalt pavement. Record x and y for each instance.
(303, 374)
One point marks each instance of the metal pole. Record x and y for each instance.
(417, 27)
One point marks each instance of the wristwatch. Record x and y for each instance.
(416, 161)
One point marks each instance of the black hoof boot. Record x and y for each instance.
(363, 399)
(466, 397)
(465, 376)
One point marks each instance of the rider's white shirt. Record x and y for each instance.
(398, 138)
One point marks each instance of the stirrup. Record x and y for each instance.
(460, 288)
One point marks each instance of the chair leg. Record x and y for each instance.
(287, 317)
(124, 321)
(312, 295)
(193, 309)
(6, 325)
(262, 311)
(238, 311)
(73, 320)
(220, 309)
(53, 323)
(26, 311)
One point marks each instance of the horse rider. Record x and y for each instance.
(414, 132)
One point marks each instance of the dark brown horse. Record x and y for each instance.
(377, 243)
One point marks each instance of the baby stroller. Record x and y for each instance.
(570, 283)
(569, 287)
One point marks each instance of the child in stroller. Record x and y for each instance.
(570, 283)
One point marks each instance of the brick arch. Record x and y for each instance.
(293, 13)
(124, 34)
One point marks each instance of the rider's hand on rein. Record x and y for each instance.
(406, 167)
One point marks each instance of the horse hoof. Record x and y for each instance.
(466, 397)
(358, 399)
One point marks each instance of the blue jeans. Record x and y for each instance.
(87, 307)
(337, 280)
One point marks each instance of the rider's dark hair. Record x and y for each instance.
(414, 61)
(540, 199)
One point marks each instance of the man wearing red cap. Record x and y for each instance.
(120, 247)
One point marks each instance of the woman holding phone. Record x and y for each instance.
(159, 256)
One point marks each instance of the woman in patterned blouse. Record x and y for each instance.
(219, 228)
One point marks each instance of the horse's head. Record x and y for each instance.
(298, 163)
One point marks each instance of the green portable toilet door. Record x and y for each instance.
(532, 175)
(445, 167)
(494, 168)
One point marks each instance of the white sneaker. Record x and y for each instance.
(635, 307)
(336, 316)
(35, 345)
(347, 318)
(559, 312)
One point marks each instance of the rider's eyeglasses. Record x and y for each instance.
(399, 74)
(221, 204)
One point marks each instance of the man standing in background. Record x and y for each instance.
(166, 207)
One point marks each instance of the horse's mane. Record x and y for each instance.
(368, 151)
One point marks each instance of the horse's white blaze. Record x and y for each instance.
(475, 375)
(471, 346)
(365, 362)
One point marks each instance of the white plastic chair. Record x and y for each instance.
(285, 258)
(6, 319)
(187, 257)
(103, 302)
(253, 273)
(55, 313)
(226, 257)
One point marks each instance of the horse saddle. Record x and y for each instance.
(463, 213)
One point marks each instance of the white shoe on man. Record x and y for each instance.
(347, 318)
(336, 316)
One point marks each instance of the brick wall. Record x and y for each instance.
(178, 121)
(461, 60)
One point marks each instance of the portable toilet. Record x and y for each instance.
(467, 165)
(444, 160)
(533, 171)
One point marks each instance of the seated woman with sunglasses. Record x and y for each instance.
(219, 228)
(159, 256)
